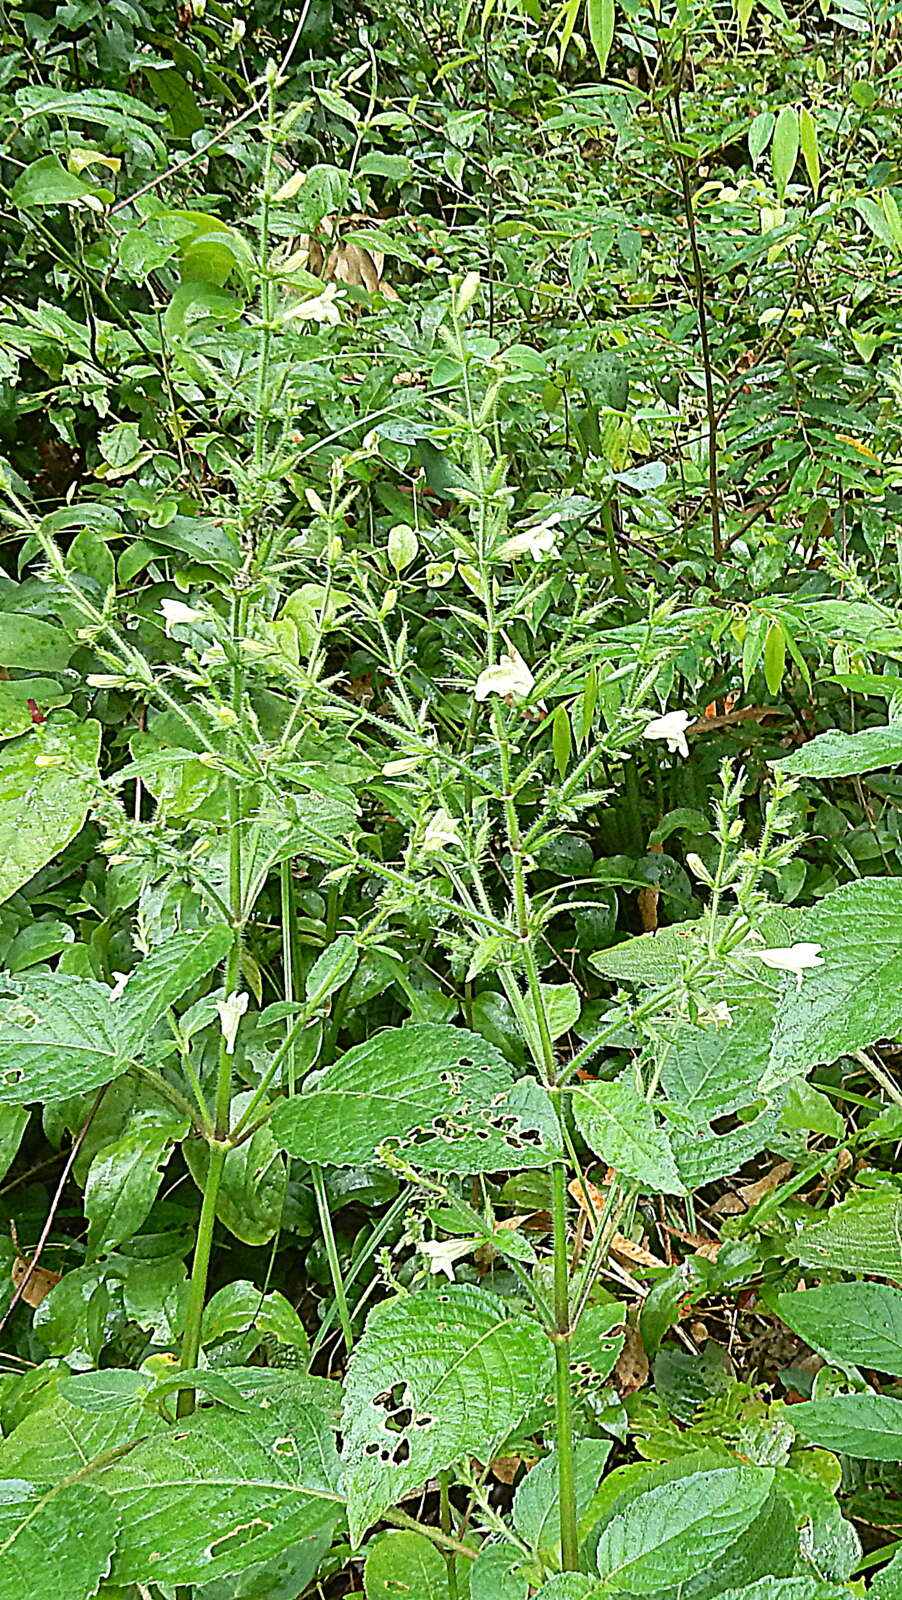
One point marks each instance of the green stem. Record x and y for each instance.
(563, 1399)
(197, 1289)
(444, 1483)
(338, 1286)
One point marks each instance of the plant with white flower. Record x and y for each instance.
(508, 677)
(443, 1253)
(441, 833)
(177, 614)
(794, 958)
(322, 308)
(231, 1010)
(672, 729)
(538, 541)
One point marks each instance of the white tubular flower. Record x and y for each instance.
(538, 541)
(794, 958)
(321, 308)
(511, 676)
(176, 613)
(230, 1013)
(118, 988)
(672, 729)
(442, 1254)
(441, 832)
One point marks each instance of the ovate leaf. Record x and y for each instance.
(47, 779)
(841, 755)
(164, 976)
(623, 1130)
(444, 1097)
(437, 1376)
(123, 1181)
(863, 1234)
(404, 1565)
(56, 1543)
(672, 1531)
(222, 1491)
(856, 1322)
(867, 1426)
(785, 148)
(856, 996)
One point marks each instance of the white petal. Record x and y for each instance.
(230, 1013)
(792, 958)
(511, 676)
(176, 611)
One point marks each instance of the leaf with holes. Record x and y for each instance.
(443, 1097)
(437, 1376)
(623, 1129)
(56, 1543)
(670, 1532)
(47, 780)
(61, 1035)
(222, 1491)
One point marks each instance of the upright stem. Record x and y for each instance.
(563, 1402)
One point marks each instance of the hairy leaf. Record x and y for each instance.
(56, 1543)
(47, 780)
(868, 1426)
(855, 1322)
(438, 1375)
(623, 1129)
(840, 755)
(667, 1533)
(863, 1234)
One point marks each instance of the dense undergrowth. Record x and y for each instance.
(450, 852)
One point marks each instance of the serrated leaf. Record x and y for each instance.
(536, 1513)
(866, 1426)
(841, 755)
(859, 1323)
(61, 1035)
(403, 1566)
(863, 1234)
(670, 1532)
(623, 1130)
(56, 1543)
(47, 780)
(441, 1095)
(437, 1376)
(787, 1589)
(59, 1438)
(222, 1491)
(856, 996)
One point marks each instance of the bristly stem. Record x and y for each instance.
(563, 1400)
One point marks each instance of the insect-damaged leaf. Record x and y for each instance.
(438, 1375)
(222, 1491)
(443, 1096)
(61, 1035)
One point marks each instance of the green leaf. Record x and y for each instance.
(536, 1514)
(774, 657)
(785, 148)
(856, 996)
(787, 1589)
(600, 14)
(32, 644)
(859, 1323)
(252, 1187)
(497, 1574)
(809, 146)
(863, 1234)
(47, 781)
(59, 1437)
(222, 1491)
(841, 755)
(569, 1586)
(670, 1532)
(438, 1375)
(385, 166)
(441, 1096)
(123, 1181)
(240, 1307)
(866, 1426)
(56, 1543)
(760, 132)
(46, 182)
(62, 1035)
(13, 1122)
(403, 1566)
(622, 1129)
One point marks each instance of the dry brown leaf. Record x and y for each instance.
(505, 1468)
(728, 1205)
(40, 1280)
(753, 1192)
(635, 1254)
(631, 1369)
(647, 901)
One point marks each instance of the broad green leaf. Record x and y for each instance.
(600, 16)
(859, 1323)
(536, 1513)
(863, 1234)
(569, 1586)
(252, 1188)
(708, 1072)
(774, 657)
(32, 644)
(123, 1181)
(56, 1543)
(13, 1122)
(808, 142)
(438, 1375)
(442, 1097)
(47, 780)
(867, 1426)
(670, 1532)
(840, 755)
(240, 1307)
(654, 958)
(58, 1438)
(562, 1008)
(404, 1566)
(497, 1574)
(62, 1035)
(785, 148)
(46, 182)
(856, 996)
(829, 1542)
(888, 1584)
(760, 132)
(787, 1589)
(221, 1491)
(622, 1128)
